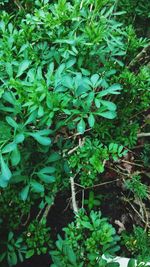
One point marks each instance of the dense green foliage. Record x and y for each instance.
(73, 98)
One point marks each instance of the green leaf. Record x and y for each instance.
(91, 120)
(71, 255)
(108, 114)
(19, 138)
(24, 192)
(114, 89)
(9, 148)
(46, 178)
(15, 157)
(94, 79)
(29, 253)
(23, 66)
(132, 263)
(70, 63)
(81, 126)
(43, 140)
(5, 170)
(110, 105)
(11, 122)
(47, 170)
(53, 157)
(37, 187)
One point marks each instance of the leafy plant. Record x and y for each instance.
(137, 243)
(137, 187)
(86, 240)
(37, 238)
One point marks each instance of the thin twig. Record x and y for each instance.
(73, 194)
(143, 135)
(131, 163)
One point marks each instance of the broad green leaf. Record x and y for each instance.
(91, 120)
(132, 263)
(24, 192)
(11, 122)
(37, 187)
(29, 253)
(46, 178)
(70, 63)
(43, 140)
(15, 157)
(94, 79)
(71, 255)
(114, 89)
(9, 148)
(53, 157)
(81, 126)
(5, 169)
(110, 105)
(19, 138)
(108, 114)
(3, 182)
(23, 66)
(47, 170)
(9, 69)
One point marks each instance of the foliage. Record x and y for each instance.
(137, 187)
(12, 250)
(90, 159)
(37, 238)
(70, 104)
(95, 237)
(137, 242)
(93, 200)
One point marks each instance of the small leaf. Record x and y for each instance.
(11, 122)
(24, 193)
(108, 114)
(91, 120)
(29, 253)
(19, 138)
(81, 126)
(43, 140)
(132, 263)
(15, 157)
(23, 66)
(37, 187)
(46, 178)
(110, 105)
(5, 170)
(94, 79)
(9, 148)
(70, 63)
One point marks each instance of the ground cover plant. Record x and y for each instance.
(74, 132)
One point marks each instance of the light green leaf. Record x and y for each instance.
(47, 170)
(91, 120)
(5, 170)
(19, 138)
(9, 148)
(37, 187)
(70, 63)
(110, 105)
(11, 122)
(15, 157)
(94, 79)
(23, 66)
(108, 114)
(81, 126)
(43, 140)
(24, 193)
